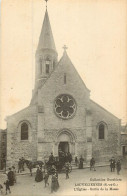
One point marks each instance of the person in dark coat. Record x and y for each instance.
(69, 157)
(76, 161)
(51, 159)
(118, 166)
(81, 160)
(112, 164)
(7, 185)
(39, 175)
(92, 164)
(11, 178)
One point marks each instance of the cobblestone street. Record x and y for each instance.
(27, 186)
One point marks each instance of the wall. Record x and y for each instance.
(3, 150)
(15, 147)
(103, 150)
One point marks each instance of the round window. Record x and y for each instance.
(65, 106)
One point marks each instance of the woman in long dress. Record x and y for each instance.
(54, 183)
(11, 177)
(39, 175)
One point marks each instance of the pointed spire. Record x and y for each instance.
(46, 40)
(46, 4)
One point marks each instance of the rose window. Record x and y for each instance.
(65, 106)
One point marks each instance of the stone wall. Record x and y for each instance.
(103, 150)
(16, 148)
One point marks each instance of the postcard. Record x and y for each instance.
(63, 98)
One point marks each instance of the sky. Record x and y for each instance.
(95, 34)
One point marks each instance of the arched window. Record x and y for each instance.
(47, 63)
(101, 131)
(24, 131)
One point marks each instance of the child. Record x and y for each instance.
(46, 177)
(92, 164)
(7, 186)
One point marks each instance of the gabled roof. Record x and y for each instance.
(104, 109)
(46, 40)
(65, 60)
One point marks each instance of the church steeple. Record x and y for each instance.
(46, 40)
(46, 54)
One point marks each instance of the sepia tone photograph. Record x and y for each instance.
(63, 97)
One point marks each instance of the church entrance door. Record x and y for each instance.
(65, 142)
(64, 147)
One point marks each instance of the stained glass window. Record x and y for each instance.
(65, 106)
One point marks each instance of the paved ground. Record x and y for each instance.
(26, 186)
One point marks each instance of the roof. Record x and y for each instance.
(64, 60)
(46, 40)
(104, 109)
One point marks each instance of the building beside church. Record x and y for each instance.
(124, 140)
(3, 148)
(61, 115)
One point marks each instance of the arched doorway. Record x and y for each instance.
(65, 142)
(63, 146)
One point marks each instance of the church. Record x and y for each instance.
(61, 115)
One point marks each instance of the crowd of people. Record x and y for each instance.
(80, 162)
(21, 165)
(65, 157)
(115, 164)
(9, 180)
(42, 172)
(10, 177)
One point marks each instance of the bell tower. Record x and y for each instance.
(46, 54)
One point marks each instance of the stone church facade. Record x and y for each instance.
(61, 114)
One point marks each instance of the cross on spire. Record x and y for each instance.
(46, 3)
(65, 47)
